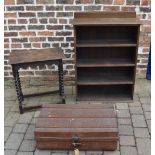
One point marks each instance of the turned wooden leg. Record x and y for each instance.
(18, 88)
(19, 84)
(61, 84)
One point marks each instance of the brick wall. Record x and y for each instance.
(33, 24)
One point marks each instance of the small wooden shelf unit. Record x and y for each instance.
(106, 47)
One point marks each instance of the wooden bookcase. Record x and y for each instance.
(106, 55)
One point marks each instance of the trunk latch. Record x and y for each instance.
(76, 143)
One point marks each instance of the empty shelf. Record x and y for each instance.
(104, 63)
(104, 80)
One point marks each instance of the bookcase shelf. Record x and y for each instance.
(104, 63)
(108, 80)
(106, 55)
(103, 43)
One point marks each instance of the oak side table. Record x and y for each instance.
(37, 57)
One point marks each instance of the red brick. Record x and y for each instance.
(84, 1)
(111, 8)
(25, 1)
(144, 41)
(7, 68)
(45, 14)
(63, 33)
(146, 22)
(119, 2)
(142, 71)
(6, 45)
(54, 8)
(45, 33)
(6, 40)
(146, 28)
(37, 39)
(72, 72)
(73, 8)
(45, 1)
(27, 45)
(33, 20)
(17, 28)
(27, 33)
(19, 40)
(43, 20)
(36, 27)
(16, 46)
(25, 73)
(64, 1)
(11, 21)
(37, 45)
(6, 57)
(5, 28)
(9, 2)
(10, 15)
(46, 45)
(92, 8)
(10, 34)
(6, 52)
(22, 21)
(44, 73)
(132, 2)
(103, 1)
(63, 21)
(15, 8)
(55, 44)
(145, 49)
(34, 8)
(6, 73)
(53, 21)
(144, 60)
(54, 27)
(144, 2)
(27, 14)
(65, 14)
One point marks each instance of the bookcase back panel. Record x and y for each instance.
(106, 92)
(106, 53)
(107, 71)
(106, 34)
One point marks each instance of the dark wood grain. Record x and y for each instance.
(102, 14)
(104, 63)
(104, 145)
(79, 106)
(106, 21)
(106, 46)
(83, 132)
(95, 124)
(35, 58)
(76, 122)
(107, 80)
(111, 93)
(28, 56)
(83, 113)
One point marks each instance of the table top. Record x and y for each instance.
(35, 55)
